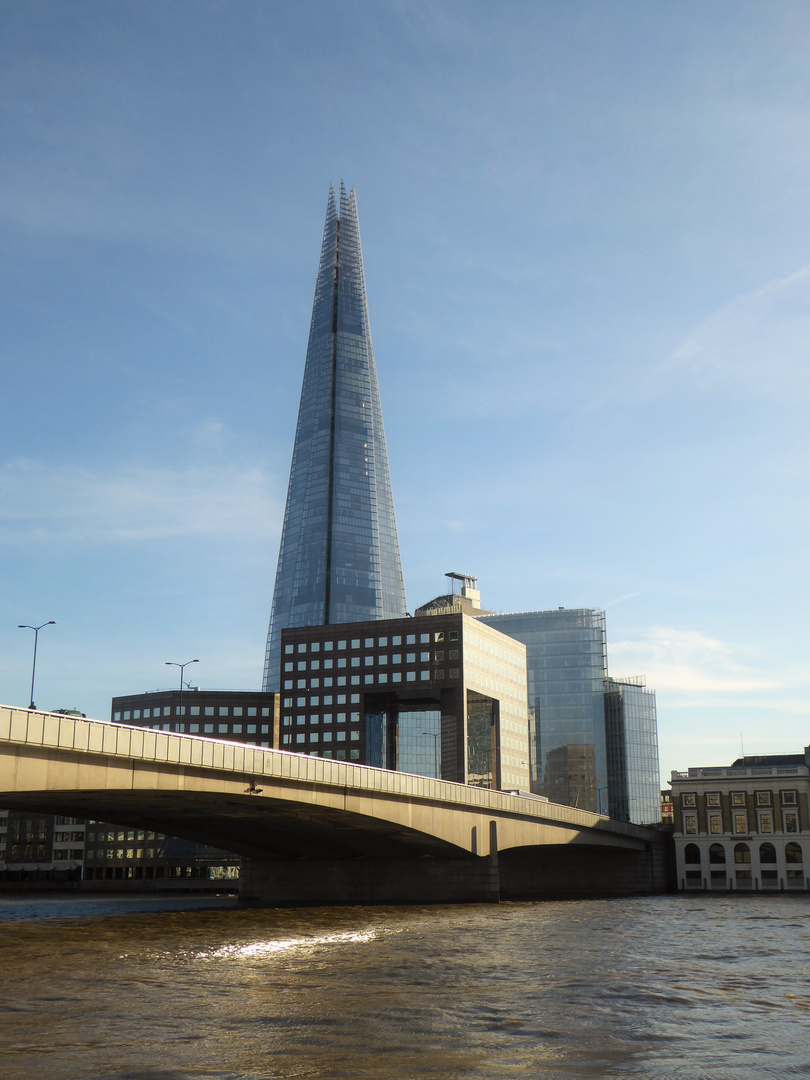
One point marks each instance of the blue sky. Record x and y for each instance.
(585, 232)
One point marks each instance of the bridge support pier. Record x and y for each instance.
(316, 883)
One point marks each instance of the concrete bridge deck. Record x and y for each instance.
(313, 830)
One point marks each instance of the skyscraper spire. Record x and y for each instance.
(339, 555)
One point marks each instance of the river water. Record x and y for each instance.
(674, 987)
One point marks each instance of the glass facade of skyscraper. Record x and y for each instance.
(632, 752)
(594, 740)
(339, 556)
(566, 663)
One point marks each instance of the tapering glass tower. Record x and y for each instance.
(339, 556)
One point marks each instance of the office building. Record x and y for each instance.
(631, 741)
(339, 555)
(236, 715)
(746, 827)
(594, 742)
(566, 664)
(437, 695)
(116, 852)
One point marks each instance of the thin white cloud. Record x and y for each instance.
(756, 343)
(67, 503)
(687, 662)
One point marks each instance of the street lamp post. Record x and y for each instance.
(36, 629)
(171, 663)
(435, 736)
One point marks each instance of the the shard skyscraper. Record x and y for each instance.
(339, 556)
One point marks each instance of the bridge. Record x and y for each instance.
(317, 831)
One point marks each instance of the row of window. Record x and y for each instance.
(318, 718)
(738, 798)
(208, 729)
(318, 737)
(739, 823)
(742, 853)
(379, 678)
(191, 710)
(370, 660)
(103, 854)
(370, 642)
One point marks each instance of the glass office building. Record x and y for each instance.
(631, 728)
(339, 555)
(566, 664)
(594, 740)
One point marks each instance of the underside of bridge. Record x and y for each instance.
(280, 831)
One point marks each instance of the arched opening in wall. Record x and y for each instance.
(793, 859)
(717, 872)
(692, 875)
(742, 866)
(768, 873)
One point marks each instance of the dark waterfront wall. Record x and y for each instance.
(519, 874)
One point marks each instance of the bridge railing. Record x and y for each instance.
(31, 727)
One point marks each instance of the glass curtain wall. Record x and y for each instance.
(339, 556)
(566, 662)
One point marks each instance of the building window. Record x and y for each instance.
(791, 821)
(208, 729)
(690, 825)
(715, 824)
(688, 799)
(194, 710)
(767, 853)
(453, 635)
(288, 649)
(740, 824)
(763, 798)
(209, 710)
(766, 823)
(788, 798)
(713, 798)
(793, 853)
(453, 672)
(717, 853)
(738, 798)
(439, 636)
